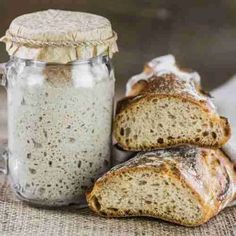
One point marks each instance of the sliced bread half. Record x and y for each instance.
(166, 111)
(183, 185)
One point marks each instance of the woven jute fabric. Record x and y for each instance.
(58, 36)
(18, 218)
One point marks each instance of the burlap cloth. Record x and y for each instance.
(17, 218)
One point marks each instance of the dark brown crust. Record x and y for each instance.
(213, 184)
(170, 84)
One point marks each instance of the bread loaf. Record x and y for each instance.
(166, 107)
(186, 185)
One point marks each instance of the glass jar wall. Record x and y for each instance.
(59, 126)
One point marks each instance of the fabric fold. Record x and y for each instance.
(225, 100)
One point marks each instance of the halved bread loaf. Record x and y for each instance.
(186, 185)
(168, 110)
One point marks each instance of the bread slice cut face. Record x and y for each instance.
(167, 112)
(186, 186)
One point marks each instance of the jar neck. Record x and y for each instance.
(103, 58)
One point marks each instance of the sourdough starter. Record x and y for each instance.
(59, 130)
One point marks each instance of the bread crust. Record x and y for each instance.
(208, 174)
(170, 86)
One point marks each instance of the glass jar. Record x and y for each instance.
(59, 128)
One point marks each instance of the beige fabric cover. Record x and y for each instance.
(60, 36)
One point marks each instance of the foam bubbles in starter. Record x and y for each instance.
(59, 132)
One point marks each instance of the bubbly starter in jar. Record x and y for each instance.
(60, 87)
(59, 130)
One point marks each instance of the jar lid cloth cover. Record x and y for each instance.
(58, 36)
